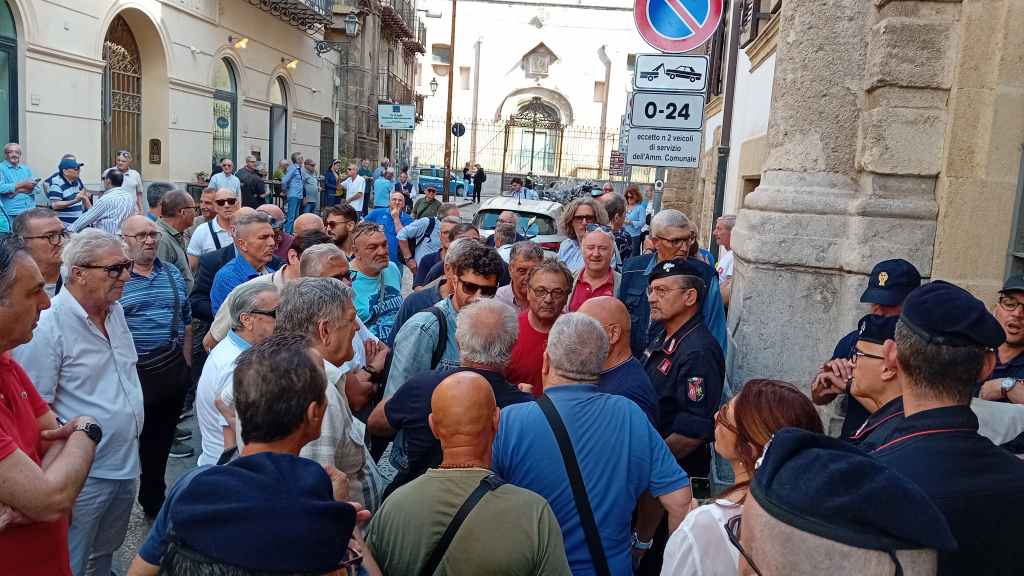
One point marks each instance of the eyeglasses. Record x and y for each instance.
(732, 530)
(54, 238)
(267, 313)
(226, 201)
(662, 291)
(1010, 304)
(227, 165)
(186, 209)
(601, 227)
(471, 288)
(143, 236)
(857, 353)
(584, 218)
(114, 271)
(677, 242)
(346, 276)
(332, 224)
(543, 293)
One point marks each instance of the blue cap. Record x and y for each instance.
(946, 314)
(69, 163)
(890, 282)
(677, 267)
(266, 512)
(825, 486)
(877, 329)
(1013, 284)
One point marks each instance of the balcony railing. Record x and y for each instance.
(391, 88)
(309, 15)
(399, 15)
(418, 44)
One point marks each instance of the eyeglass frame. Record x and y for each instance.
(675, 242)
(124, 265)
(156, 235)
(62, 235)
(226, 202)
(267, 313)
(1017, 303)
(545, 293)
(471, 288)
(857, 353)
(732, 531)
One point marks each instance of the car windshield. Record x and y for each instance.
(426, 171)
(540, 226)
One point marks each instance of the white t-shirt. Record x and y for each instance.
(700, 546)
(724, 267)
(202, 240)
(352, 187)
(217, 374)
(133, 183)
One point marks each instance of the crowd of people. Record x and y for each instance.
(386, 392)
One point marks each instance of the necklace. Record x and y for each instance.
(460, 466)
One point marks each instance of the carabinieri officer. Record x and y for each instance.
(685, 365)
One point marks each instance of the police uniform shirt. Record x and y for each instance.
(1014, 368)
(978, 487)
(687, 371)
(878, 426)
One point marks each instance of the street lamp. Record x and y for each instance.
(351, 25)
(433, 87)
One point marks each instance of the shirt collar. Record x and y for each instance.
(945, 418)
(572, 389)
(610, 280)
(237, 340)
(168, 228)
(1016, 361)
(242, 263)
(334, 373)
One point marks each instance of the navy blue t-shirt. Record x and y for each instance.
(630, 380)
(423, 268)
(408, 409)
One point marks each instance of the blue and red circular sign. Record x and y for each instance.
(677, 25)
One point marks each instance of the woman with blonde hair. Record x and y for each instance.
(577, 216)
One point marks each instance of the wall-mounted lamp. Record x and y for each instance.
(351, 25)
(238, 43)
(433, 87)
(292, 64)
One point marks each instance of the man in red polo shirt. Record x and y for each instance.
(548, 289)
(596, 278)
(43, 461)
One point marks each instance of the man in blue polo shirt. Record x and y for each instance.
(383, 186)
(254, 247)
(16, 183)
(619, 454)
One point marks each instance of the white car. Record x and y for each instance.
(538, 219)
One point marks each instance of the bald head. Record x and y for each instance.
(614, 317)
(135, 224)
(307, 221)
(464, 417)
(273, 211)
(243, 211)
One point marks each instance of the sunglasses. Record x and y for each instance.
(187, 209)
(471, 288)
(732, 530)
(584, 218)
(226, 201)
(601, 227)
(344, 277)
(114, 271)
(332, 224)
(267, 313)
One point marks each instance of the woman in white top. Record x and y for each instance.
(700, 546)
(132, 179)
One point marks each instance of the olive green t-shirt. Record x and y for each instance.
(511, 531)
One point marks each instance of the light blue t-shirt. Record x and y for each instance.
(417, 231)
(378, 299)
(222, 180)
(382, 189)
(620, 456)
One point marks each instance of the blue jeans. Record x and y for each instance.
(99, 522)
(293, 212)
(310, 208)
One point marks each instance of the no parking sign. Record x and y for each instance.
(677, 25)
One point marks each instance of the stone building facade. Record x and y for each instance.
(893, 129)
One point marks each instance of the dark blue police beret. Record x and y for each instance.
(825, 486)
(877, 329)
(946, 314)
(890, 282)
(677, 267)
(265, 512)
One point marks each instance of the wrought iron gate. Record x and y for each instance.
(122, 93)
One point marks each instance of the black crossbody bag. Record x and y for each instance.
(170, 353)
(488, 483)
(579, 490)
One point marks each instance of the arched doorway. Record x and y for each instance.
(278, 121)
(8, 75)
(122, 92)
(225, 112)
(533, 138)
(327, 153)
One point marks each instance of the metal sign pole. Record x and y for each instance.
(659, 185)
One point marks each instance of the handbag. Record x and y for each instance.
(169, 353)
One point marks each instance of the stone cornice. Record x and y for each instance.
(62, 58)
(764, 45)
(190, 87)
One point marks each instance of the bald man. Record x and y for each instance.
(284, 240)
(308, 221)
(623, 374)
(521, 532)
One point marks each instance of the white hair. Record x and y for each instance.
(82, 248)
(577, 347)
(486, 331)
(669, 218)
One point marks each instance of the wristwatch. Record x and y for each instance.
(92, 430)
(640, 544)
(1007, 384)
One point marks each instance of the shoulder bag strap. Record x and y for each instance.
(579, 490)
(489, 482)
(442, 336)
(216, 240)
(177, 306)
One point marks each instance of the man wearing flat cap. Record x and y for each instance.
(821, 506)
(888, 286)
(944, 345)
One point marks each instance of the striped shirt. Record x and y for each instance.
(61, 191)
(149, 307)
(107, 213)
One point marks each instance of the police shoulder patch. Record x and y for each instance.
(695, 389)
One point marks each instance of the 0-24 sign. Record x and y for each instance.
(667, 111)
